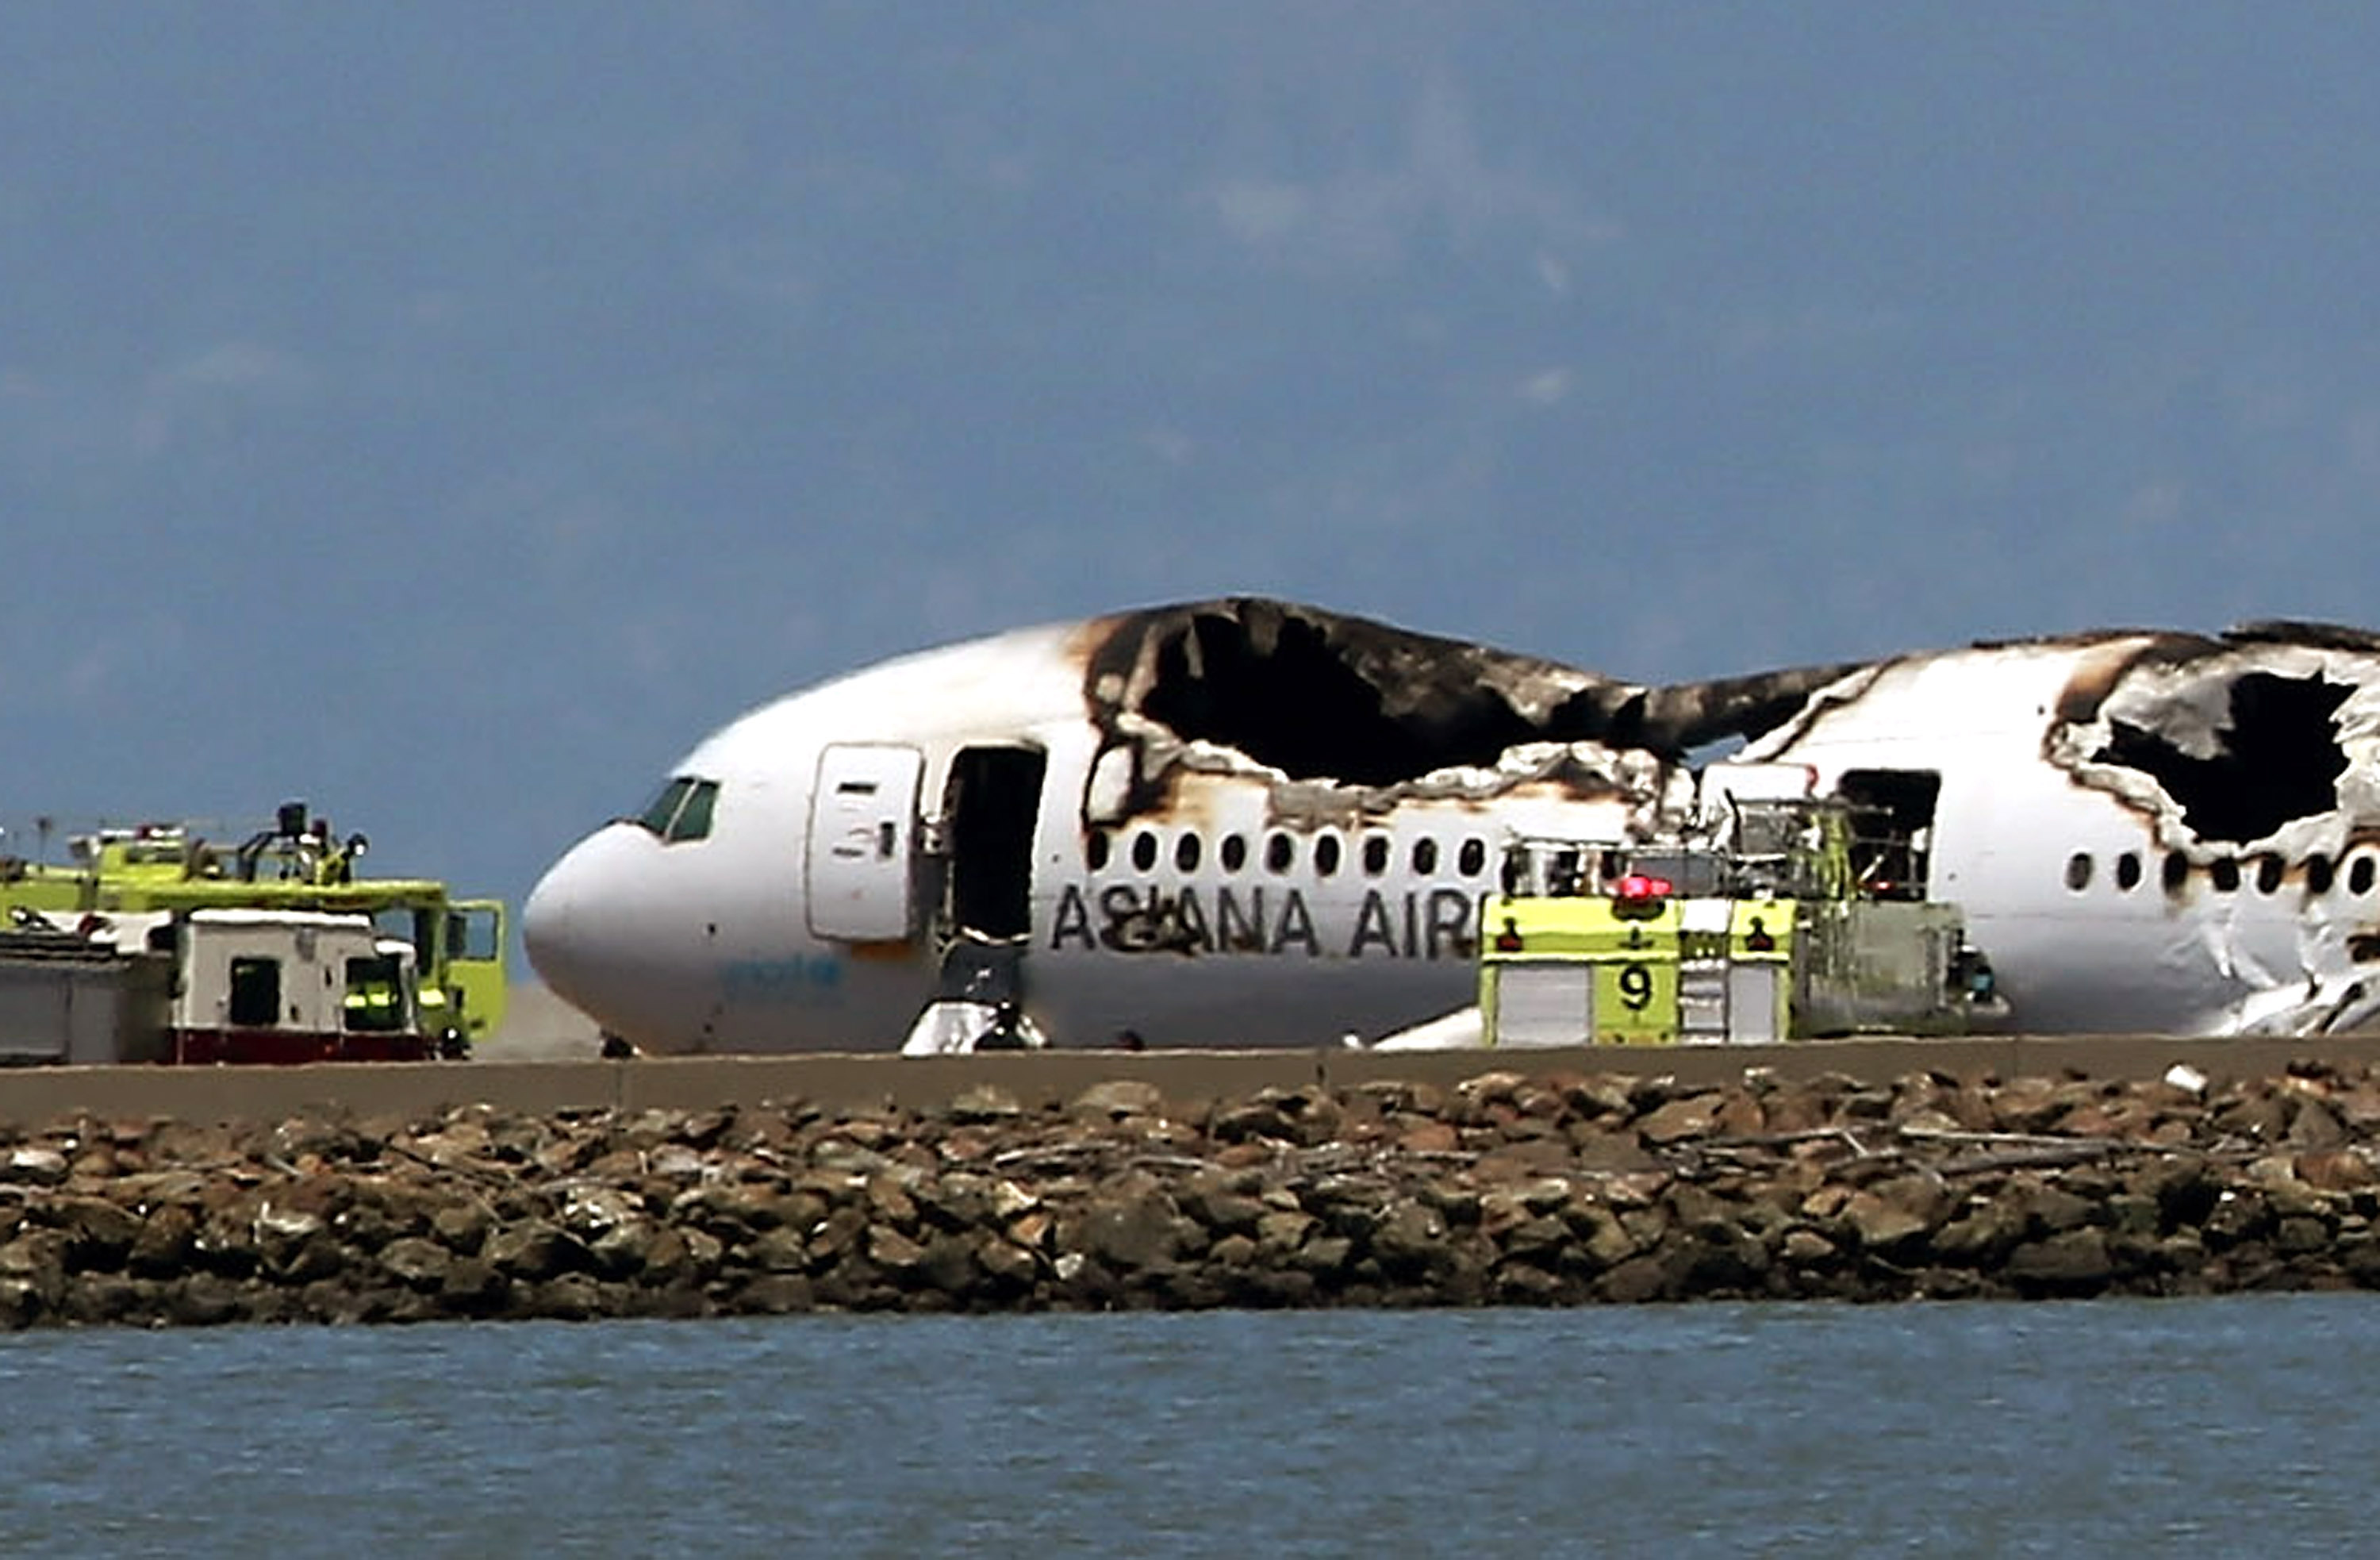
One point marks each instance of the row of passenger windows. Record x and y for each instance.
(2269, 873)
(1372, 853)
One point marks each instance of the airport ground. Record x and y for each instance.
(541, 1026)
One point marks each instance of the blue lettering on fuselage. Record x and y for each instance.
(806, 981)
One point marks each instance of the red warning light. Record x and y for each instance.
(1639, 897)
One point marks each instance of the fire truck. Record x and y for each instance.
(210, 986)
(1757, 924)
(298, 862)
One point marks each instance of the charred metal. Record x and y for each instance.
(2222, 742)
(2278, 758)
(1321, 697)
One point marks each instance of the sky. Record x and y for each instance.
(449, 413)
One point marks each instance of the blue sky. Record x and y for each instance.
(450, 413)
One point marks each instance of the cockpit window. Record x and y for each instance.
(664, 810)
(683, 810)
(694, 818)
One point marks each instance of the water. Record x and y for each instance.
(2204, 1427)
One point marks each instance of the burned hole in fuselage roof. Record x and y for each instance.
(1322, 696)
(2279, 758)
(1292, 697)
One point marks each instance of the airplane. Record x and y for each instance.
(1248, 823)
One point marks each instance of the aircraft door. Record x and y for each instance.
(863, 829)
(993, 800)
(1892, 828)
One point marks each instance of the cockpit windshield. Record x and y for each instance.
(683, 810)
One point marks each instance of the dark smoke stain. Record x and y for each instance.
(1319, 694)
(1290, 697)
(2280, 759)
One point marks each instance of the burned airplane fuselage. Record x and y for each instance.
(2200, 810)
(1245, 822)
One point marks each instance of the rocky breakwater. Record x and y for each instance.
(1506, 1190)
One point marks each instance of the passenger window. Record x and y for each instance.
(1281, 852)
(2318, 874)
(1235, 853)
(2269, 873)
(2078, 870)
(1472, 859)
(2359, 876)
(1185, 853)
(1095, 850)
(2177, 871)
(2226, 876)
(1375, 855)
(1425, 857)
(1144, 850)
(2128, 870)
(1326, 855)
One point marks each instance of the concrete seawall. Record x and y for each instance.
(842, 1082)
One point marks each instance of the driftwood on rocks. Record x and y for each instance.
(1510, 1188)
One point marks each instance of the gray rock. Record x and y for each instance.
(985, 1102)
(1325, 1256)
(1118, 1099)
(1142, 1230)
(472, 1287)
(775, 1294)
(1680, 1119)
(533, 1250)
(1209, 1198)
(1010, 1268)
(778, 1250)
(2075, 1262)
(1895, 1216)
(33, 1166)
(949, 1266)
(100, 1232)
(1279, 1232)
(462, 1227)
(417, 1263)
(893, 1251)
(1408, 1239)
(163, 1246)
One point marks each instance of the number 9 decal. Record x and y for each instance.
(1635, 987)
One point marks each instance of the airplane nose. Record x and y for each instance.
(552, 908)
(545, 919)
(579, 927)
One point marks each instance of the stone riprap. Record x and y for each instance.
(1505, 1189)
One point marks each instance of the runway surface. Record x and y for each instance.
(545, 1060)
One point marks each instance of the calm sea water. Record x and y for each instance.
(2216, 1427)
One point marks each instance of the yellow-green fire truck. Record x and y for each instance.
(1763, 936)
(299, 863)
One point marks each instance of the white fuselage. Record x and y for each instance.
(1227, 905)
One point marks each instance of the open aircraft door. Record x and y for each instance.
(863, 828)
